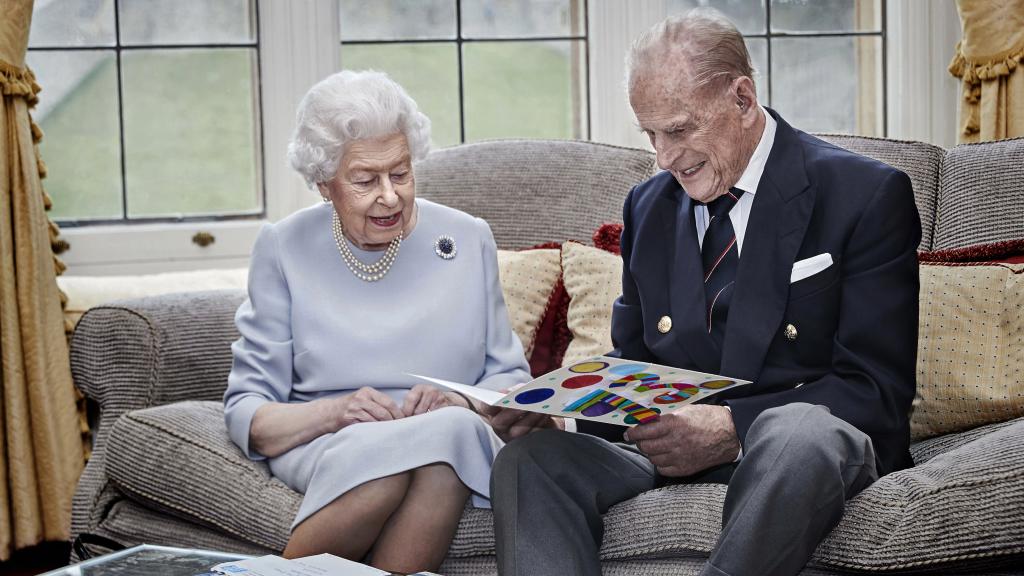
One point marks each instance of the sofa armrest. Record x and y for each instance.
(133, 354)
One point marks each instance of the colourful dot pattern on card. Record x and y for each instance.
(678, 391)
(601, 402)
(625, 369)
(717, 384)
(588, 367)
(581, 381)
(639, 377)
(534, 396)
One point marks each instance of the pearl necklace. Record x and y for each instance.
(365, 272)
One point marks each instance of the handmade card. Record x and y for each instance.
(606, 389)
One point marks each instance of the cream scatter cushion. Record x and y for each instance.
(593, 279)
(528, 278)
(970, 360)
(84, 292)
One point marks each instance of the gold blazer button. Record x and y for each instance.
(664, 324)
(790, 332)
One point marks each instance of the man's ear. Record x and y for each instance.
(746, 95)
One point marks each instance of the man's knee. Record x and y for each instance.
(810, 432)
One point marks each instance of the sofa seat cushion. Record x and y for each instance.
(178, 459)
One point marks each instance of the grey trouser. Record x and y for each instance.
(800, 465)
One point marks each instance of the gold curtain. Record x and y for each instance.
(40, 443)
(988, 60)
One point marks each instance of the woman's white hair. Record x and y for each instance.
(349, 106)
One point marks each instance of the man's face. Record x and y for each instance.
(698, 135)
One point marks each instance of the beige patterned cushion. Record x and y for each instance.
(970, 365)
(527, 280)
(593, 279)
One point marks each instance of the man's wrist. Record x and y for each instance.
(739, 453)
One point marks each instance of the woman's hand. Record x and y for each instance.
(424, 398)
(365, 405)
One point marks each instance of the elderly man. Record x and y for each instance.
(762, 253)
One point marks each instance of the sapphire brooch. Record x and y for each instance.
(445, 247)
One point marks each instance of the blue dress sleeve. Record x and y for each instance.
(506, 364)
(261, 369)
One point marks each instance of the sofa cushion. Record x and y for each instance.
(178, 459)
(970, 347)
(593, 279)
(960, 508)
(533, 191)
(1005, 251)
(980, 198)
(528, 279)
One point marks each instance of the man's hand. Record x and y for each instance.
(509, 423)
(424, 398)
(364, 405)
(687, 441)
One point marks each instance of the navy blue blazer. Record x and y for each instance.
(856, 345)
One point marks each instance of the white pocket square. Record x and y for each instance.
(810, 266)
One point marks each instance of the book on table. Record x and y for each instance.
(604, 389)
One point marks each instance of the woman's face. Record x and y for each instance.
(374, 191)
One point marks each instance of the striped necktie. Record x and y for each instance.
(721, 259)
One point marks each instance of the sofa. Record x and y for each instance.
(154, 369)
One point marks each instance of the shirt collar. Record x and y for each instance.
(751, 176)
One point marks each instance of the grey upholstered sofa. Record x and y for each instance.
(163, 470)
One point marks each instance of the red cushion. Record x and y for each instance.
(553, 334)
(607, 236)
(1007, 252)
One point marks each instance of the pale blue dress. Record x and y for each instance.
(311, 329)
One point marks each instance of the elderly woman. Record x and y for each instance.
(345, 300)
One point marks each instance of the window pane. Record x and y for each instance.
(190, 131)
(428, 72)
(826, 15)
(77, 111)
(72, 23)
(747, 15)
(186, 22)
(758, 48)
(397, 19)
(829, 84)
(519, 18)
(525, 89)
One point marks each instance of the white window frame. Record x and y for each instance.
(299, 45)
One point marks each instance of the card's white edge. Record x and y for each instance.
(489, 397)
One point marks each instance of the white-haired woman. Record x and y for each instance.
(345, 300)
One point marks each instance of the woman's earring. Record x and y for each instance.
(325, 199)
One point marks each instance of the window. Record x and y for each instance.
(820, 63)
(479, 69)
(150, 110)
(147, 173)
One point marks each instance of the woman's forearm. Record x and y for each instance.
(278, 427)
